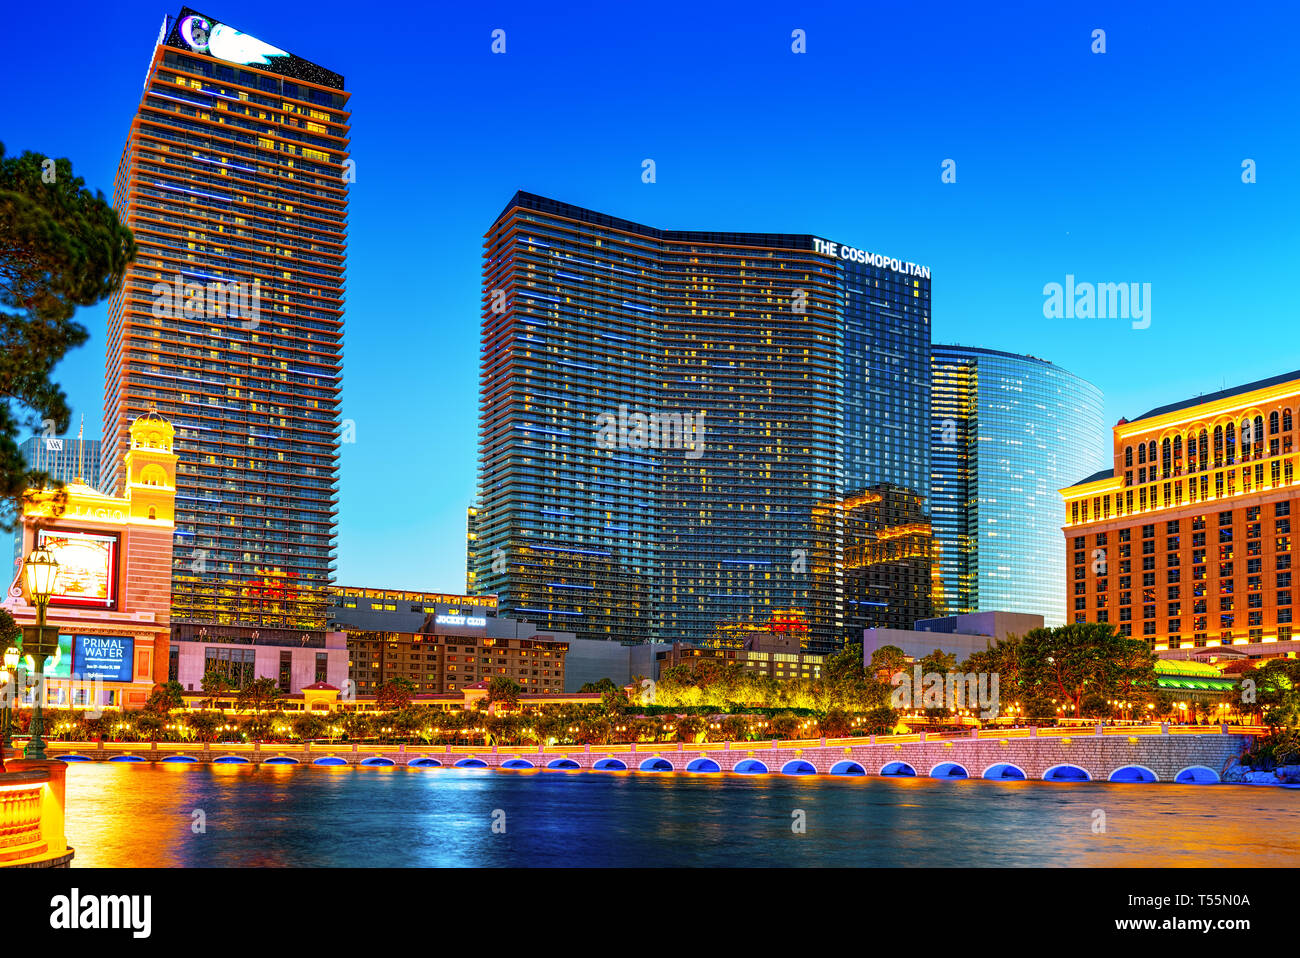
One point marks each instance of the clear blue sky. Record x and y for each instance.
(1120, 167)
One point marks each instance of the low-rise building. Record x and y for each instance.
(959, 635)
(112, 599)
(443, 643)
(777, 655)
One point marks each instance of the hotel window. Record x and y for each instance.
(322, 666)
(1284, 598)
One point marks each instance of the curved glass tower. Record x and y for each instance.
(1008, 432)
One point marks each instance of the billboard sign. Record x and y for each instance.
(106, 657)
(88, 561)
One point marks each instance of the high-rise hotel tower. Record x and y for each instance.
(1186, 541)
(230, 321)
(1008, 432)
(673, 424)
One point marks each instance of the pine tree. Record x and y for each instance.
(60, 247)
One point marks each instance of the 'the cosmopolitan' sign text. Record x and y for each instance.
(855, 255)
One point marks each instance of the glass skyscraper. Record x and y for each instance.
(670, 421)
(230, 321)
(1007, 432)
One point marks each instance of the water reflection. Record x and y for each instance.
(268, 816)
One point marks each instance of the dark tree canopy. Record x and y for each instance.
(61, 247)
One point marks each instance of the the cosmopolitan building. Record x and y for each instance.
(230, 321)
(663, 413)
(1186, 541)
(1008, 431)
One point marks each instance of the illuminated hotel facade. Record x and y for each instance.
(888, 559)
(770, 373)
(112, 600)
(442, 643)
(1007, 432)
(230, 322)
(1186, 541)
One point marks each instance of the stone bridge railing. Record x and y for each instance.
(1186, 754)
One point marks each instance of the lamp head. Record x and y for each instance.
(41, 569)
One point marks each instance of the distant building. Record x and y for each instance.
(452, 658)
(774, 654)
(590, 660)
(401, 610)
(63, 458)
(443, 642)
(959, 635)
(243, 659)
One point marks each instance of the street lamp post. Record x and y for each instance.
(41, 568)
(10, 674)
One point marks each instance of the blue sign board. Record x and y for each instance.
(106, 657)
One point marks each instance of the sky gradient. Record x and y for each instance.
(1115, 167)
